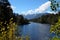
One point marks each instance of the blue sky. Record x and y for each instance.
(22, 6)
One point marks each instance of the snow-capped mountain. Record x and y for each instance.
(32, 16)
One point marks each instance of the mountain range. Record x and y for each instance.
(33, 16)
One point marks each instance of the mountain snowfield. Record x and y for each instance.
(32, 16)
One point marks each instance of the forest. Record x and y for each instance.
(47, 19)
(9, 21)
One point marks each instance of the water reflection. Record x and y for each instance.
(35, 31)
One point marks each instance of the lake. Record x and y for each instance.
(36, 31)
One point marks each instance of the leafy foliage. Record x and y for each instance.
(8, 22)
(56, 30)
(7, 25)
(54, 5)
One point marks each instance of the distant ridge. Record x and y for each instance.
(32, 16)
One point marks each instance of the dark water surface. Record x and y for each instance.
(36, 31)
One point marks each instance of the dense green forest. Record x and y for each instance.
(9, 21)
(20, 20)
(48, 19)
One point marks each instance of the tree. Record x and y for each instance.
(55, 29)
(54, 5)
(7, 24)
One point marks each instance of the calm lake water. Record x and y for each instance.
(36, 31)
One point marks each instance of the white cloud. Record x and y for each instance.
(52, 12)
(43, 7)
(40, 9)
(30, 11)
(27, 12)
(13, 7)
